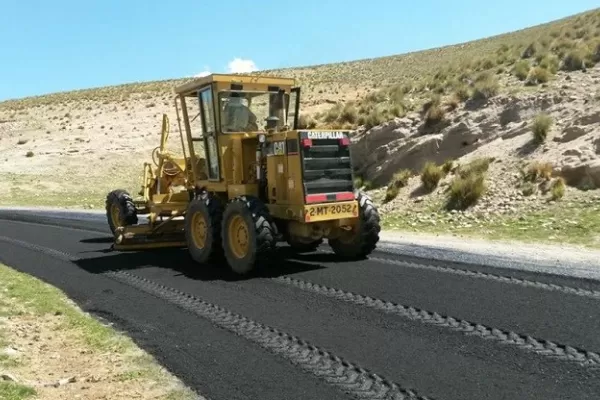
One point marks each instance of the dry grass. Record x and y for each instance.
(557, 188)
(399, 180)
(431, 175)
(465, 191)
(540, 127)
(538, 171)
(469, 184)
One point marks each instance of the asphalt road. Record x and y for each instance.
(307, 327)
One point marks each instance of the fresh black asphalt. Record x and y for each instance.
(432, 360)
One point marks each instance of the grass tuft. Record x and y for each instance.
(538, 171)
(558, 188)
(541, 127)
(399, 180)
(431, 175)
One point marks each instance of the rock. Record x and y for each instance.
(588, 119)
(596, 144)
(8, 377)
(9, 351)
(584, 173)
(570, 133)
(64, 381)
(572, 152)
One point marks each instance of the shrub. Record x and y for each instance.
(537, 75)
(466, 191)
(574, 60)
(358, 182)
(434, 115)
(447, 166)
(529, 50)
(368, 185)
(485, 87)
(558, 188)
(521, 69)
(595, 54)
(476, 166)
(390, 193)
(538, 170)
(29, 154)
(349, 114)
(400, 179)
(306, 122)
(549, 62)
(453, 102)
(333, 113)
(431, 175)
(541, 126)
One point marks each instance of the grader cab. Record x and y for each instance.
(248, 178)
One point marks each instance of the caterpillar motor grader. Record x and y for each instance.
(248, 178)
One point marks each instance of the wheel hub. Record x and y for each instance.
(239, 237)
(199, 229)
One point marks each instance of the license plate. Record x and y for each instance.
(323, 212)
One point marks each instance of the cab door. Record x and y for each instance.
(209, 139)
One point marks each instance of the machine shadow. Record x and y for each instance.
(98, 240)
(282, 262)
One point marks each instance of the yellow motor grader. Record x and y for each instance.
(248, 178)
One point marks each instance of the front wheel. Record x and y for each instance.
(248, 233)
(362, 239)
(120, 209)
(203, 228)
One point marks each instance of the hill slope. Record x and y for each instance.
(453, 102)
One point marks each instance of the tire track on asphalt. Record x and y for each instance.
(348, 377)
(593, 294)
(524, 342)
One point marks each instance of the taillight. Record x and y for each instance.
(345, 141)
(306, 142)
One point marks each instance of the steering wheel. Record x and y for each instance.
(169, 167)
(155, 155)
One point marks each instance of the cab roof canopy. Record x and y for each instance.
(191, 88)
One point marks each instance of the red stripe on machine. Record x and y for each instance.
(344, 196)
(316, 198)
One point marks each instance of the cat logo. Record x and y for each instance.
(279, 148)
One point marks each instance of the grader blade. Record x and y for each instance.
(142, 237)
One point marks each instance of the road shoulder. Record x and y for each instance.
(51, 349)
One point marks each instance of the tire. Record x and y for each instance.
(119, 205)
(247, 218)
(302, 247)
(365, 239)
(203, 228)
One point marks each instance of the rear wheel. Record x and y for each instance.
(120, 209)
(203, 228)
(248, 233)
(362, 240)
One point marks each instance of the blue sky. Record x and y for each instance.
(49, 46)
